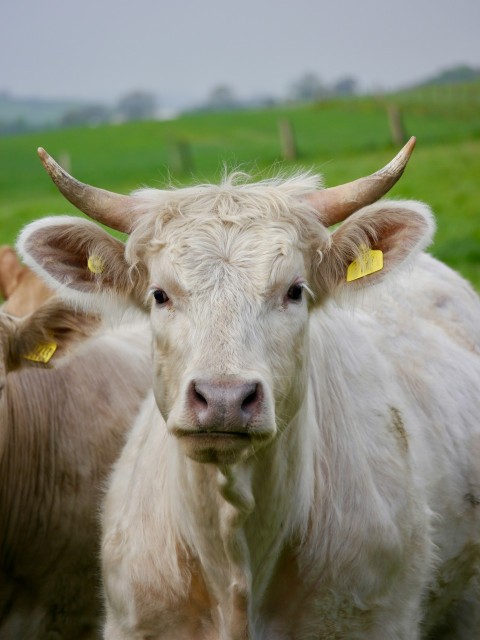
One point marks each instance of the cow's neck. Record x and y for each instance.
(235, 488)
(243, 516)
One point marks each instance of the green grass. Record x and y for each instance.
(340, 139)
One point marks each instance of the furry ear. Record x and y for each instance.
(82, 262)
(10, 270)
(22, 289)
(48, 332)
(397, 229)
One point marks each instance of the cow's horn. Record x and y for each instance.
(111, 209)
(337, 203)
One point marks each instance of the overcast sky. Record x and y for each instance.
(102, 49)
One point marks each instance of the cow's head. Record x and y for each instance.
(41, 337)
(229, 275)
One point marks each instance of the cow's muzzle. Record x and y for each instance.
(225, 418)
(225, 406)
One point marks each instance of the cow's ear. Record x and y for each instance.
(10, 270)
(83, 263)
(372, 243)
(48, 333)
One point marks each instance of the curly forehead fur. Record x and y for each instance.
(220, 213)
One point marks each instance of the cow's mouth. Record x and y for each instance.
(181, 433)
(221, 447)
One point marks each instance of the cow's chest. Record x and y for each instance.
(298, 606)
(290, 608)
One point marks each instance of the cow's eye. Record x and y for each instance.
(160, 296)
(295, 292)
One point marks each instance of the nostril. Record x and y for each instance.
(199, 398)
(252, 402)
(251, 399)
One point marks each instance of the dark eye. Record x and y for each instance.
(295, 292)
(160, 296)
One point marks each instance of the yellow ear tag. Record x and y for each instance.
(95, 264)
(369, 262)
(42, 353)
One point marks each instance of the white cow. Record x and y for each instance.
(316, 471)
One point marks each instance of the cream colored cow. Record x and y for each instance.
(308, 466)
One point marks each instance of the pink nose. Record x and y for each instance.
(224, 405)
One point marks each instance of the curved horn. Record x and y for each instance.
(337, 203)
(111, 209)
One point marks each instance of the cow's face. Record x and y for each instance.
(228, 275)
(229, 311)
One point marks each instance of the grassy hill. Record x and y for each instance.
(341, 139)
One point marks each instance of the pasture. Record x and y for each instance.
(341, 139)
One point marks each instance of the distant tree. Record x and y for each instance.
(345, 87)
(90, 114)
(221, 98)
(137, 105)
(264, 101)
(460, 73)
(308, 88)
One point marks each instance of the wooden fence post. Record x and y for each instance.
(287, 140)
(180, 157)
(397, 128)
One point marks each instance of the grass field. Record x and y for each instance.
(340, 139)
